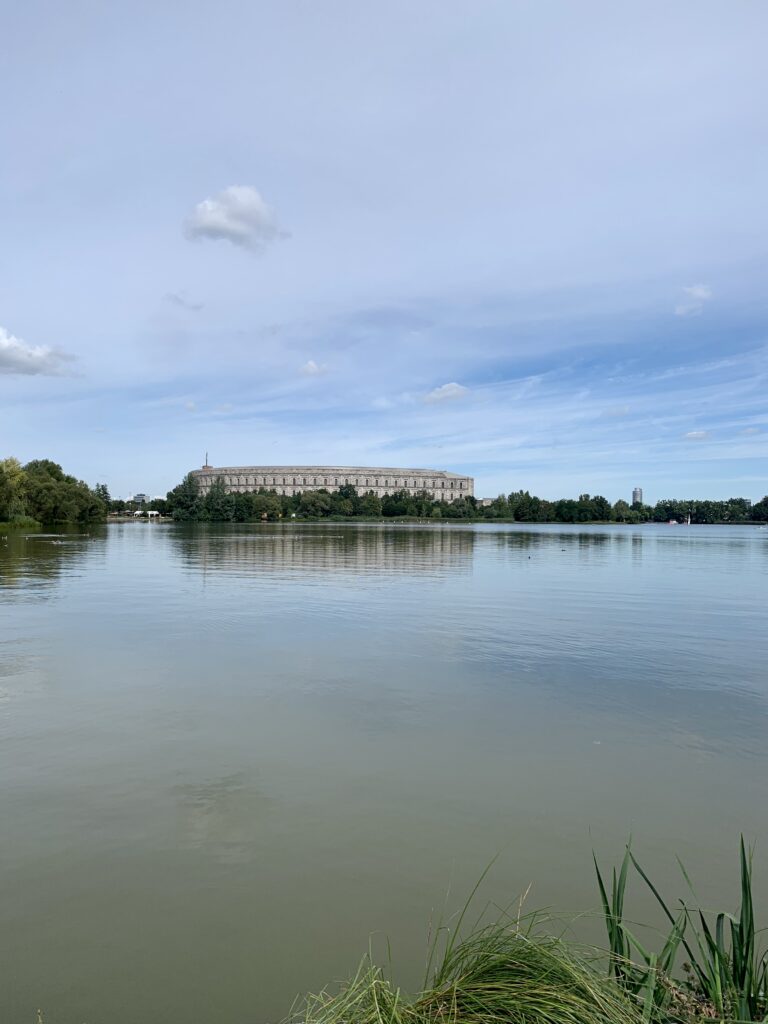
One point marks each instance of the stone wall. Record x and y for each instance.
(295, 479)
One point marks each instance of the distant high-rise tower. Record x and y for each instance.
(637, 495)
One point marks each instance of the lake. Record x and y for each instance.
(232, 756)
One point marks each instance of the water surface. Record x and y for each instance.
(228, 755)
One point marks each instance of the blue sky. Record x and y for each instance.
(525, 241)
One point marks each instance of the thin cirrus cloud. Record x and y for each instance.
(696, 297)
(313, 369)
(19, 358)
(237, 215)
(696, 435)
(446, 393)
(180, 299)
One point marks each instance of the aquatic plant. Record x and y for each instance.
(726, 974)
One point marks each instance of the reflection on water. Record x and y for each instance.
(221, 817)
(229, 754)
(338, 549)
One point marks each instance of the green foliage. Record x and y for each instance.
(734, 510)
(727, 966)
(184, 502)
(43, 493)
(509, 972)
(646, 978)
(102, 493)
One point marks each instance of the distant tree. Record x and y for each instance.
(102, 493)
(51, 496)
(315, 504)
(184, 501)
(219, 506)
(395, 504)
(370, 505)
(12, 496)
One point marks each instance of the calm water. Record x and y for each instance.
(229, 755)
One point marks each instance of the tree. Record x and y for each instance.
(102, 493)
(315, 504)
(184, 501)
(51, 496)
(370, 505)
(219, 506)
(12, 498)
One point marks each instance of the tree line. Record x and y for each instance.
(41, 492)
(186, 504)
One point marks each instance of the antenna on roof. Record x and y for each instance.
(206, 458)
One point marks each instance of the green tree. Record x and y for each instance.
(51, 496)
(184, 501)
(370, 505)
(219, 506)
(102, 493)
(315, 504)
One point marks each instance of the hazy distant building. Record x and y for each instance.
(140, 499)
(438, 483)
(637, 496)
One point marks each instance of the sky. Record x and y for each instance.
(524, 241)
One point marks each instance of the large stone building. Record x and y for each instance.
(294, 479)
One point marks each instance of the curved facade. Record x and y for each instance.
(294, 479)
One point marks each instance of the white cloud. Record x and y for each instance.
(238, 215)
(313, 369)
(696, 297)
(750, 431)
(446, 392)
(17, 357)
(696, 435)
(190, 406)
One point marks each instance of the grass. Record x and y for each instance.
(499, 973)
(19, 522)
(515, 971)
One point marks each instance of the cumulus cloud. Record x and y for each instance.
(696, 435)
(238, 215)
(446, 392)
(696, 296)
(17, 357)
(179, 299)
(313, 369)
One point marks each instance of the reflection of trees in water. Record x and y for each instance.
(30, 563)
(287, 549)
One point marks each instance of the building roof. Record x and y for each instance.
(329, 469)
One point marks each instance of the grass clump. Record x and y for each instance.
(503, 972)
